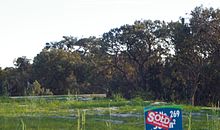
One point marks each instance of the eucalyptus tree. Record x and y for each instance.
(54, 68)
(195, 42)
(205, 24)
(18, 79)
(135, 48)
(92, 63)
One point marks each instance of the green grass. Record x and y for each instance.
(65, 114)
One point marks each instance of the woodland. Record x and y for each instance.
(177, 61)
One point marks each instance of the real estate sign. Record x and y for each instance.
(163, 118)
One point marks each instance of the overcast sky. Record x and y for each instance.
(26, 25)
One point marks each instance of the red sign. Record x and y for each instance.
(158, 119)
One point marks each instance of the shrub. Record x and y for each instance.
(37, 89)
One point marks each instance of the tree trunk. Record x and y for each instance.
(194, 94)
(142, 82)
(193, 100)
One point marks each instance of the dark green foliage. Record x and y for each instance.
(177, 61)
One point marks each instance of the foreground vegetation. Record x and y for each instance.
(71, 113)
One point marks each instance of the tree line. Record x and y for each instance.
(155, 60)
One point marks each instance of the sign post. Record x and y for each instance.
(163, 118)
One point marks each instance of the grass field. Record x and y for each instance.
(69, 113)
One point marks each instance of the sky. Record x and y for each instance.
(26, 25)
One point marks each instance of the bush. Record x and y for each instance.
(37, 90)
(4, 89)
(118, 97)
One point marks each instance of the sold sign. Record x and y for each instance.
(165, 117)
(160, 120)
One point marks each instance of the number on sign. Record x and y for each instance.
(174, 114)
